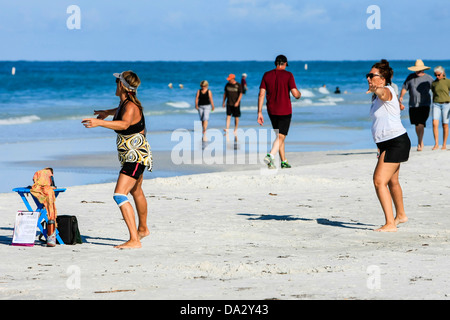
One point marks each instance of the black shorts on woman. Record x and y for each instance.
(396, 149)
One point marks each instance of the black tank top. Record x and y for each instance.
(134, 128)
(203, 98)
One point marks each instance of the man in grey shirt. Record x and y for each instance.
(418, 84)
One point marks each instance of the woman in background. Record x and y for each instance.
(441, 105)
(204, 104)
(392, 141)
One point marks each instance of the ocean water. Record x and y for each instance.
(43, 103)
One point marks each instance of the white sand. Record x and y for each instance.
(302, 233)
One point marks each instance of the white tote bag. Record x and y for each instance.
(25, 228)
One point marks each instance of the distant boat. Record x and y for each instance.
(306, 66)
(13, 70)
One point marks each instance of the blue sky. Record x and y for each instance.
(211, 30)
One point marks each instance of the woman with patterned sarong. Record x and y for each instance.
(134, 154)
(43, 190)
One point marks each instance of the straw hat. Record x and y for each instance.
(419, 66)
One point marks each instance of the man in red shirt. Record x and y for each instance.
(278, 84)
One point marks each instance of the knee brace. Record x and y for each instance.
(120, 199)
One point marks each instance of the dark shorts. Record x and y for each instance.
(234, 111)
(419, 115)
(397, 149)
(281, 123)
(132, 169)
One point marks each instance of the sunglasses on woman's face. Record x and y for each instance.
(371, 75)
(117, 80)
(438, 74)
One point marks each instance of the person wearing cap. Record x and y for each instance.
(232, 95)
(418, 84)
(244, 83)
(134, 154)
(278, 84)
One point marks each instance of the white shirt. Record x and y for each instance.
(386, 122)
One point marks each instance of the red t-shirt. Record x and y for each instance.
(278, 85)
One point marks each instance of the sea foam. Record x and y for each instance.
(19, 120)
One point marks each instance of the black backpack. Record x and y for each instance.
(68, 229)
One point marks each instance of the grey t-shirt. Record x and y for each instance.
(419, 90)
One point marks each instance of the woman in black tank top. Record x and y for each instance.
(134, 154)
(134, 128)
(204, 104)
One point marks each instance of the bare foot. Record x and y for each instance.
(400, 220)
(444, 148)
(419, 148)
(387, 228)
(435, 147)
(129, 245)
(143, 234)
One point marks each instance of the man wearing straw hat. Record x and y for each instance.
(418, 84)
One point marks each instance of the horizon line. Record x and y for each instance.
(203, 61)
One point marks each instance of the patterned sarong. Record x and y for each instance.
(134, 148)
(43, 190)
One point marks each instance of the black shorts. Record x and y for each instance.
(419, 115)
(132, 169)
(281, 123)
(234, 111)
(397, 149)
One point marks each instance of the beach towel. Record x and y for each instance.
(43, 190)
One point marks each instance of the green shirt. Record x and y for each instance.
(440, 90)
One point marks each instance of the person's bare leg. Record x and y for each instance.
(381, 177)
(124, 186)
(141, 206)
(227, 124)
(281, 139)
(397, 197)
(445, 136)
(420, 129)
(436, 134)
(204, 126)
(236, 124)
(275, 146)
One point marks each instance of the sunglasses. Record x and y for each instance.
(371, 75)
(438, 74)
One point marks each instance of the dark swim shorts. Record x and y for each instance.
(281, 123)
(419, 115)
(234, 111)
(397, 149)
(132, 169)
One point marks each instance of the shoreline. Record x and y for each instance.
(299, 233)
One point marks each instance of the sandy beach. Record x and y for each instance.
(248, 233)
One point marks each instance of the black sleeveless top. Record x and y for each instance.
(203, 98)
(132, 129)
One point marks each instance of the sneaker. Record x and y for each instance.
(51, 240)
(285, 165)
(269, 161)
